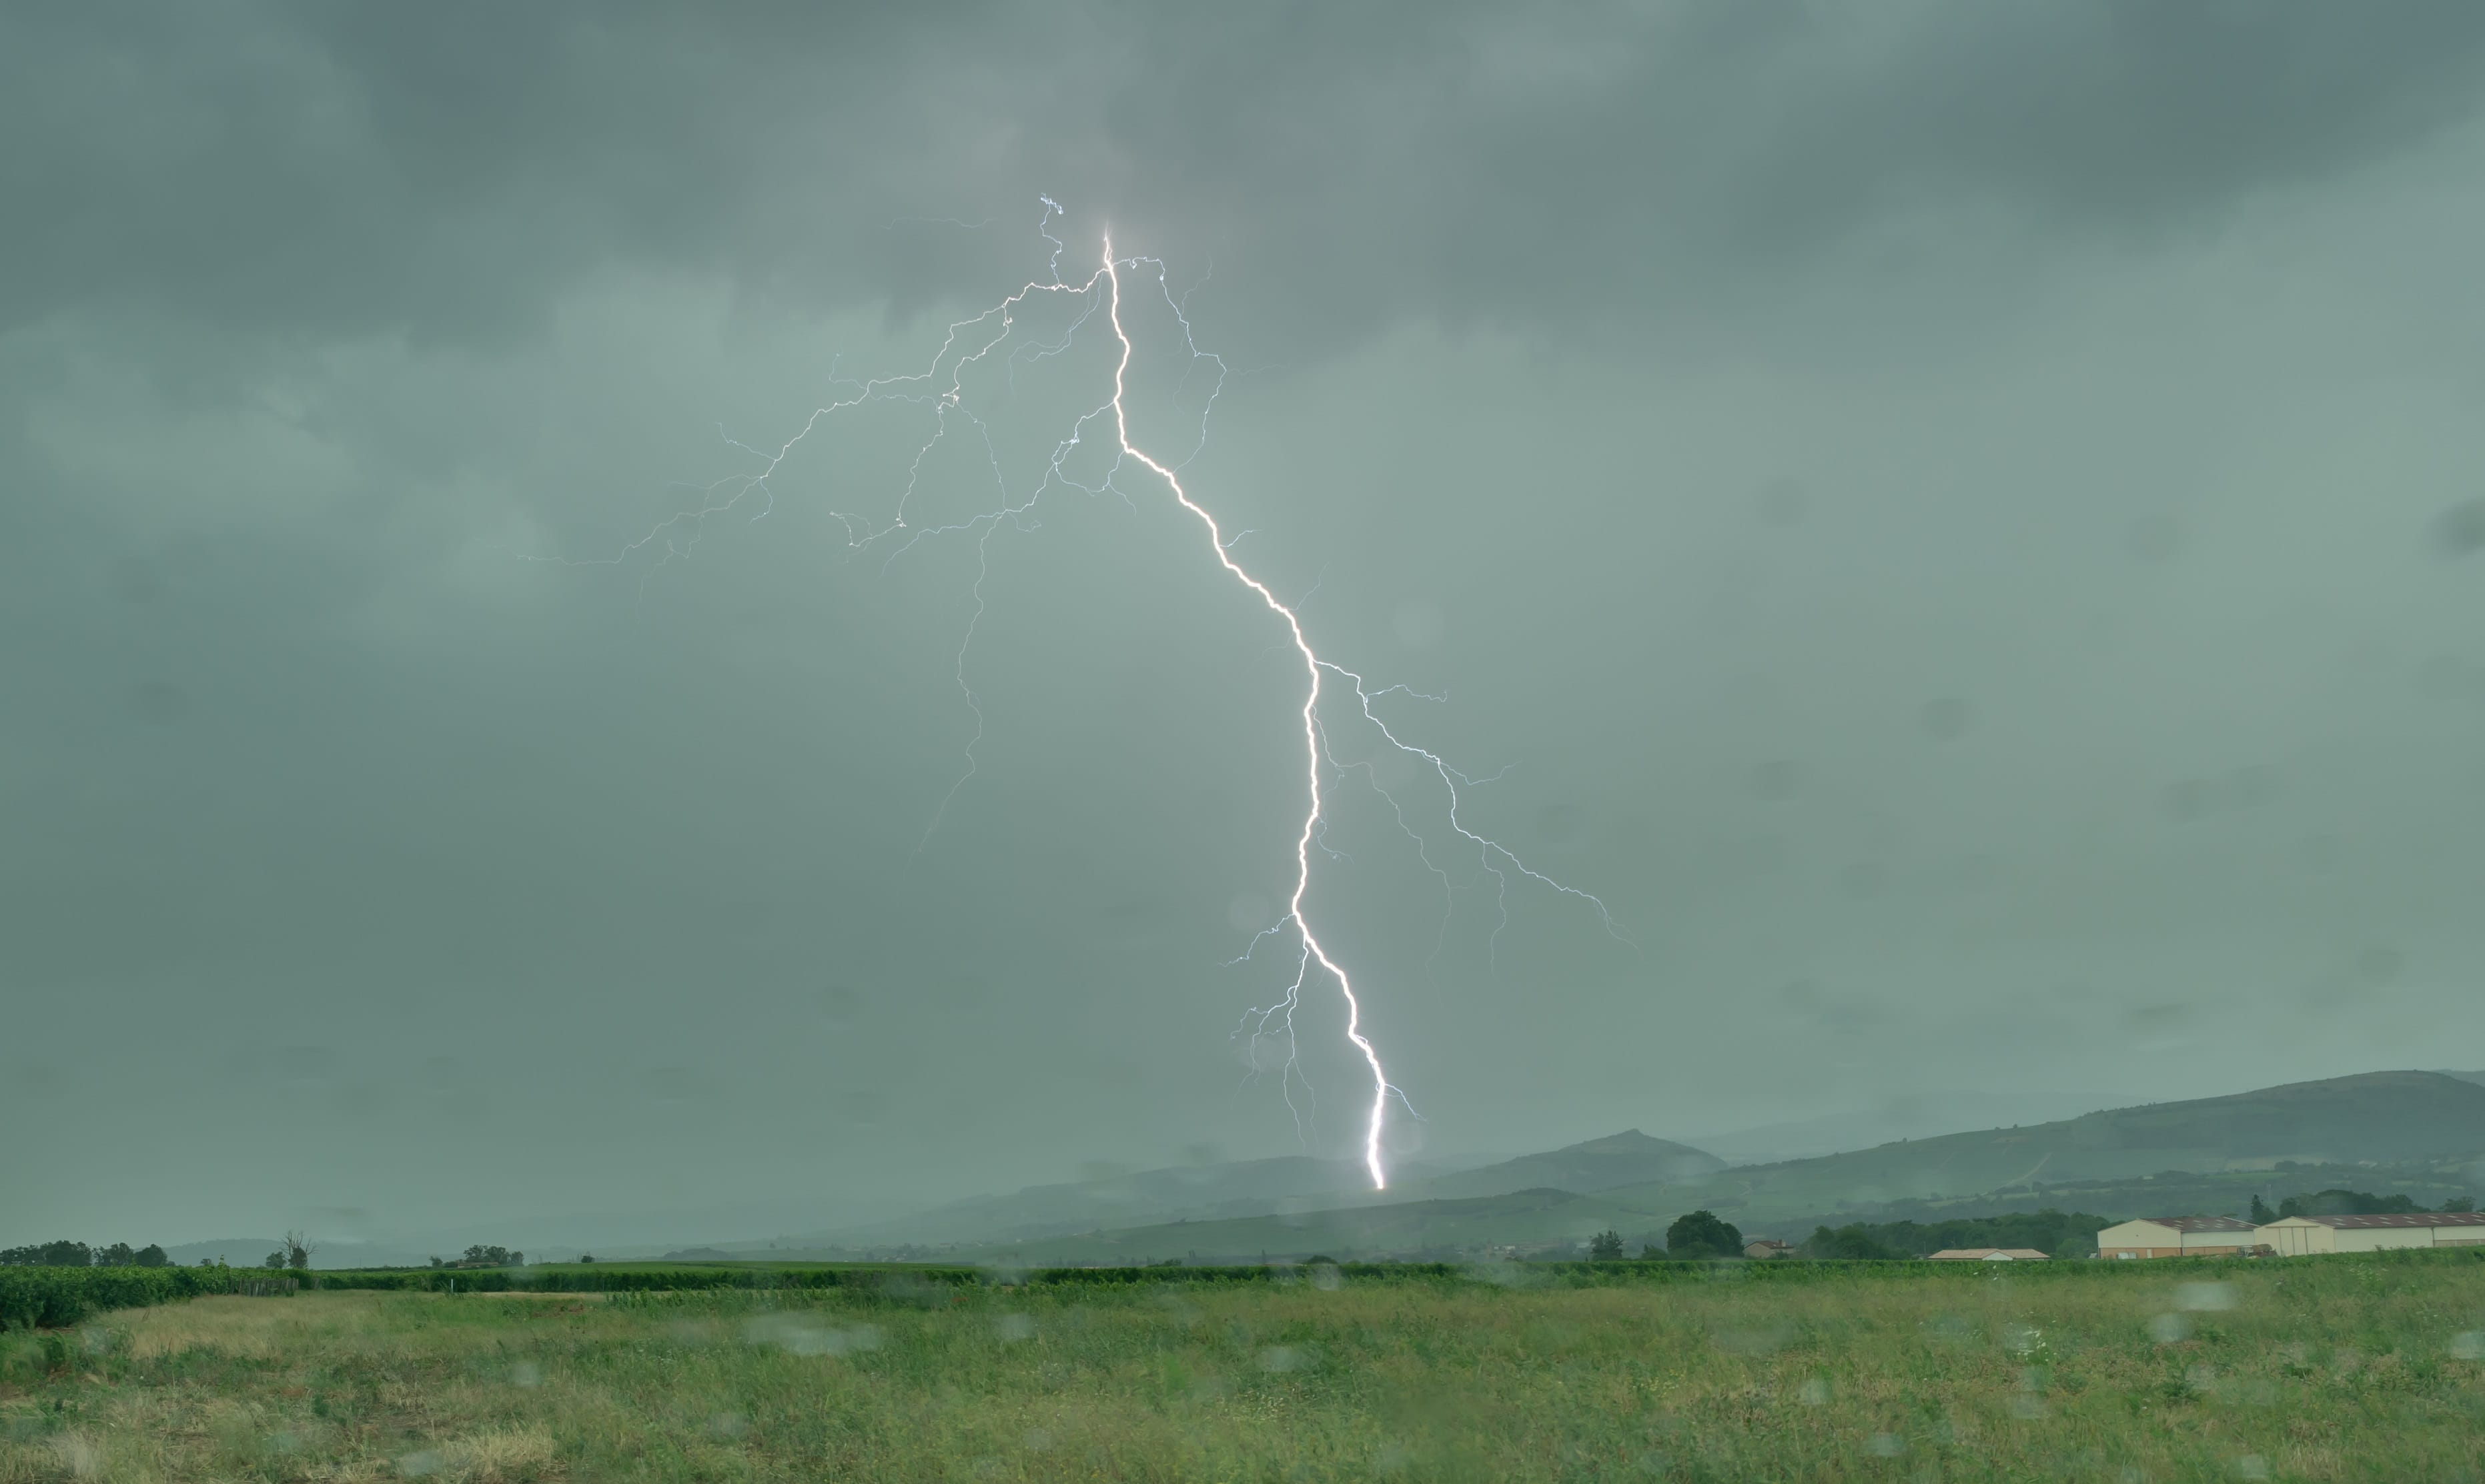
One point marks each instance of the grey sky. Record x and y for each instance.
(1952, 514)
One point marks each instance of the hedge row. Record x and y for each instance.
(55, 1297)
(641, 1279)
(49, 1298)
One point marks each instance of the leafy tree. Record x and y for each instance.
(2061, 1233)
(2261, 1214)
(274, 1262)
(49, 1255)
(150, 1256)
(117, 1255)
(2460, 1204)
(586, 1257)
(297, 1252)
(482, 1256)
(2347, 1202)
(1701, 1234)
(1605, 1246)
(1853, 1241)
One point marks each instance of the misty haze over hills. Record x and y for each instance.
(2409, 1131)
(2414, 1132)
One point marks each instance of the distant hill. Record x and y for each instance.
(1401, 1227)
(1265, 1187)
(1201, 1192)
(2158, 1156)
(2384, 1118)
(238, 1251)
(1921, 1115)
(1626, 1158)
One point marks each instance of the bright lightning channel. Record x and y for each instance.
(679, 534)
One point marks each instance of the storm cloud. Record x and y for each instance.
(1954, 516)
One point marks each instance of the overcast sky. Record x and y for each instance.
(1963, 523)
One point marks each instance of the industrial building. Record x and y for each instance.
(2177, 1237)
(2293, 1236)
(2289, 1237)
(1987, 1254)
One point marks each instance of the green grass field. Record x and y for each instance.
(2322, 1369)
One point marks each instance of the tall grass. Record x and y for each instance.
(2345, 1368)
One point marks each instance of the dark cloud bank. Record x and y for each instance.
(1960, 517)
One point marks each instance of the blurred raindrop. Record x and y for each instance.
(160, 702)
(304, 1066)
(1885, 1446)
(1010, 1329)
(2156, 538)
(2170, 1329)
(2468, 1345)
(1813, 1393)
(526, 1373)
(1947, 717)
(2450, 677)
(1776, 780)
(2187, 799)
(1419, 624)
(1865, 880)
(1283, 1357)
(1782, 503)
(801, 1335)
(419, 1464)
(2205, 1297)
(2251, 786)
(2460, 529)
(1766, 1340)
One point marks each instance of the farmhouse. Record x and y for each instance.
(1767, 1246)
(1987, 1254)
(2297, 1235)
(2177, 1237)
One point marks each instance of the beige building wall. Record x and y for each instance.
(2155, 1239)
(2367, 1239)
(2293, 1236)
(2139, 1239)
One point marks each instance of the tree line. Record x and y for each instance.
(2351, 1202)
(78, 1255)
(1699, 1235)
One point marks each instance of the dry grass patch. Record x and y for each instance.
(2313, 1371)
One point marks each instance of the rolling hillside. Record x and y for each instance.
(1248, 1187)
(1626, 1158)
(1272, 1187)
(2385, 1118)
(1403, 1227)
(2417, 1123)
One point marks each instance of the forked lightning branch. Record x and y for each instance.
(1133, 472)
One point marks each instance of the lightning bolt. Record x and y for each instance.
(972, 343)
